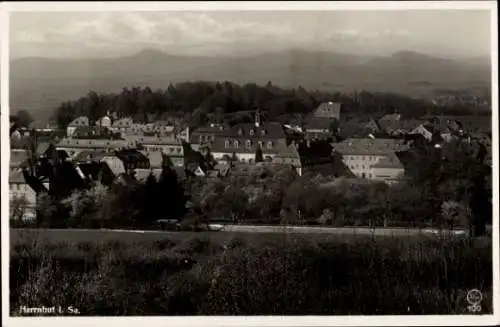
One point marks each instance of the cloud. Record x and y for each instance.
(128, 31)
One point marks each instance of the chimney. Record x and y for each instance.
(257, 118)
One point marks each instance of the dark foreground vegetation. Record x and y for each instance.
(252, 274)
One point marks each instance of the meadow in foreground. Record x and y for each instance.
(254, 274)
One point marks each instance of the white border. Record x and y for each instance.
(251, 320)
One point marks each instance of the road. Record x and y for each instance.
(344, 231)
(333, 230)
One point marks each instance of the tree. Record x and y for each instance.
(172, 198)
(258, 155)
(24, 118)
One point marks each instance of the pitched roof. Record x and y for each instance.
(79, 121)
(89, 155)
(390, 117)
(143, 174)
(131, 156)
(155, 158)
(42, 147)
(328, 109)
(389, 161)
(400, 124)
(368, 146)
(288, 152)
(16, 177)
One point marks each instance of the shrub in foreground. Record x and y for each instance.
(242, 277)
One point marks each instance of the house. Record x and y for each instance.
(243, 140)
(426, 130)
(389, 169)
(22, 197)
(123, 125)
(361, 154)
(126, 161)
(328, 110)
(317, 128)
(81, 121)
(289, 156)
(205, 136)
(170, 146)
(104, 122)
(470, 124)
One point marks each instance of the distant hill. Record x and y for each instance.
(41, 84)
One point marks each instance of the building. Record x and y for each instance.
(328, 110)
(172, 147)
(205, 136)
(74, 146)
(317, 128)
(360, 155)
(104, 122)
(469, 124)
(81, 121)
(22, 197)
(126, 161)
(389, 169)
(242, 141)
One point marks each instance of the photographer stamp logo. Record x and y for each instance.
(474, 298)
(43, 310)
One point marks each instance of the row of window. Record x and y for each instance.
(251, 132)
(248, 144)
(352, 158)
(178, 150)
(18, 187)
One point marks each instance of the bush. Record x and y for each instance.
(274, 275)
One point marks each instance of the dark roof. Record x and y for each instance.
(268, 130)
(318, 123)
(89, 155)
(131, 156)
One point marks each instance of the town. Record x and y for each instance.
(111, 149)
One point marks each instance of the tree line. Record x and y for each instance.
(199, 101)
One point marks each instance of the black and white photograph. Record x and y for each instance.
(251, 159)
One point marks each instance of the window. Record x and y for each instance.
(171, 150)
(260, 144)
(178, 150)
(236, 144)
(252, 132)
(248, 144)
(270, 145)
(226, 144)
(263, 132)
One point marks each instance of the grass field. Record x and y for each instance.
(115, 273)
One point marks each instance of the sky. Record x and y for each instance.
(447, 33)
